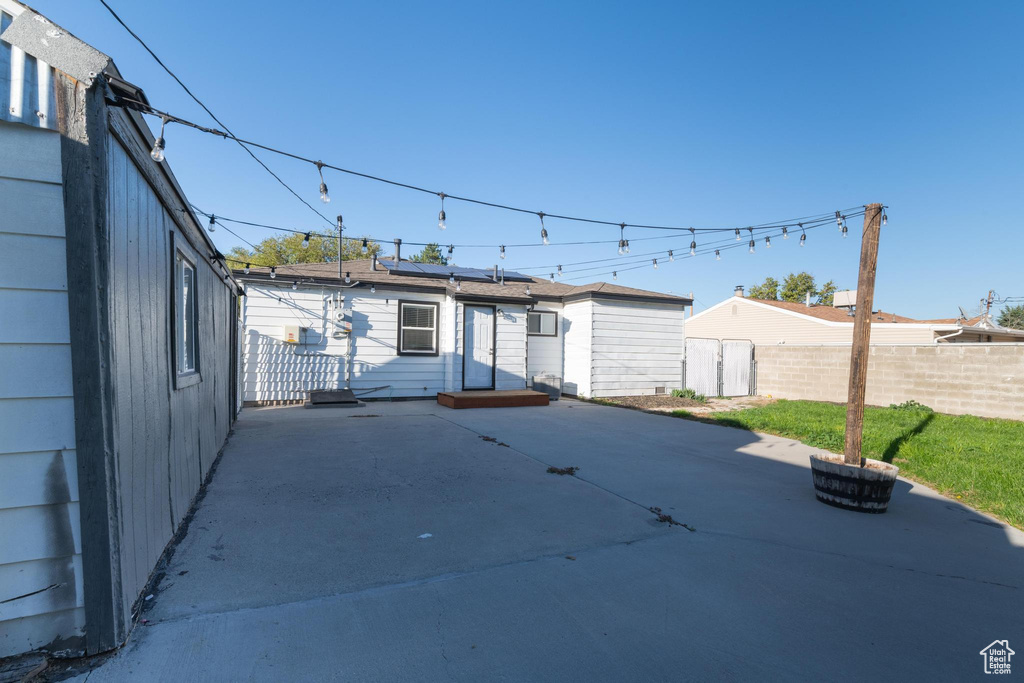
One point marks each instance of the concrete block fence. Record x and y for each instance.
(977, 379)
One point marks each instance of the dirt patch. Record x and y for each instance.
(666, 404)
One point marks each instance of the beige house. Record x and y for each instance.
(784, 322)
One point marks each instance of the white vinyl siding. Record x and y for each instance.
(635, 348)
(766, 325)
(577, 326)
(39, 515)
(544, 354)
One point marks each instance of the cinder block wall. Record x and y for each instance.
(978, 379)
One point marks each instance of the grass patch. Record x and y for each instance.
(977, 460)
(690, 394)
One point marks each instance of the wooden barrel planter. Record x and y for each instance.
(864, 489)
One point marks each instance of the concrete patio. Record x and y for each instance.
(309, 558)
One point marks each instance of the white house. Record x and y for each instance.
(399, 329)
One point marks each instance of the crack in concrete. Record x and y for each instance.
(440, 635)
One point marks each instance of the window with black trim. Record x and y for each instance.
(185, 340)
(417, 328)
(542, 324)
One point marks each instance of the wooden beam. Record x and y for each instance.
(82, 121)
(862, 333)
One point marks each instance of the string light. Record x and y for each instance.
(615, 275)
(213, 223)
(527, 290)
(655, 262)
(458, 286)
(158, 145)
(324, 197)
(348, 278)
(552, 277)
(451, 278)
(543, 230)
(718, 255)
(693, 248)
(785, 232)
(502, 254)
(295, 285)
(751, 246)
(441, 224)
(803, 238)
(885, 219)
(305, 240)
(365, 245)
(844, 231)
(373, 288)
(671, 256)
(839, 219)
(559, 271)
(738, 234)
(451, 248)
(273, 272)
(767, 242)
(246, 269)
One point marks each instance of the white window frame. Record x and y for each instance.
(436, 307)
(185, 319)
(541, 315)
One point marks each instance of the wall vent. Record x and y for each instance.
(659, 391)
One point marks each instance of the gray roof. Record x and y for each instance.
(361, 271)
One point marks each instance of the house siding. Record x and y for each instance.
(635, 348)
(577, 328)
(39, 508)
(764, 325)
(544, 354)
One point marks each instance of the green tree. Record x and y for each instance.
(796, 286)
(769, 290)
(287, 249)
(430, 254)
(827, 293)
(1012, 317)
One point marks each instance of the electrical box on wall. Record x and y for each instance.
(292, 334)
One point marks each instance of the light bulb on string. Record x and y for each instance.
(622, 245)
(373, 288)
(655, 262)
(839, 219)
(785, 232)
(543, 230)
(295, 285)
(324, 196)
(458, 286)
(246, 269)
(552, 278)
(737, 234)
(671, 256)
(803, 237)
(502, 252)
(751, 250)
(615, 275)
(366, 246)
(451, 278)
(767, 242)
(693, 248)
(451, 248)
(213, 223)
(273, 272)
(158, 145)
(718, 255)
(305, 240)
(441, 222)
(844, 232)
(885, 219)
(559, 270)
(348, 278)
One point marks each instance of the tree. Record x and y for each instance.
(430, 254)
(287, 249)
(769, 290)
(795, 287)
(1012, 317)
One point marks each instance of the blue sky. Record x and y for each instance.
(685, 113)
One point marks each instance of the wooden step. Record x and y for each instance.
(492, 399)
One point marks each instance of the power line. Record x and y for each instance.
(207, 109)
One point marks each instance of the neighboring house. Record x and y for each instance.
(413, 330)
(767, 322)
(116, 346)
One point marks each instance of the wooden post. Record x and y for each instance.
(862, 333)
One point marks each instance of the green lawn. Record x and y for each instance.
(976, 460)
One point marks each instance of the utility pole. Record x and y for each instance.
(862, 333)
(341, 254)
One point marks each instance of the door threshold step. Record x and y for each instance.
(514, 398)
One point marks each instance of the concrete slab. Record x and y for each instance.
(305, 562)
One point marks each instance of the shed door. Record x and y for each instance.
(478, 372)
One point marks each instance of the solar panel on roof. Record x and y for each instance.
(436, 270)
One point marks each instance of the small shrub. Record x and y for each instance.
(911, 405)
(690, 394)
